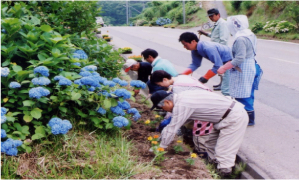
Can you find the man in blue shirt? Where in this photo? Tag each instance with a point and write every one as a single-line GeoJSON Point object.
{"type": "Point", "coordinates": [151, 56]}
{"type": "Point", "coordinates": [216, 53]}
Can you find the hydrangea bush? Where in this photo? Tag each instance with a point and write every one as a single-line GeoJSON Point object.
{"type": "Point", "coordinates": [279, 26]}
{"type": "Point", "coordinates": [162, 21]}
{"type": "Point", "coordinates": [48, 75]}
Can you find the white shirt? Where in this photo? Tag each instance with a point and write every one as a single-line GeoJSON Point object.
{"type": "Point", "coordinates": [196, 104]}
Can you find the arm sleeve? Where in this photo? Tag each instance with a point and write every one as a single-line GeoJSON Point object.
{"type": "Point", "coordinates": [239, 50]}
{"type": "Point", "coordinates": [224, 34]}
{"type": "Point", "coordinates": [196, 60]}
{"type": "Point", "coordinates": [208, 34]}
{"type": "Point", "coordinates": [214, 57]}
{"type": "Point", "coordinates": [179, 117]}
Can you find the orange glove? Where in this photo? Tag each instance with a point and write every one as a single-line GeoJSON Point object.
{"type": "Point", "coordinates": [187, 71]}
{"type": "Point", "coordinates": [209, 74]}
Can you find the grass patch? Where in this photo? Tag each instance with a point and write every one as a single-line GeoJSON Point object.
{"type": "Point", "coordinates": [78, 155]}
{"type": "Point", "coordinates": [195, 20]}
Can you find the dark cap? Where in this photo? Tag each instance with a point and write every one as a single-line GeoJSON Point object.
{"type": "Point", "coordinates": [158, 96]}
{"type": "Point", "coordinates": [212, 12]}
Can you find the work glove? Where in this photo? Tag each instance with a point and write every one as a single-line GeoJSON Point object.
{"type": "Point", "coordinates": [187, 72]}
{"type": "Point", "coordinates": [163, 124]}
{"type": "Point", "coordinates": [207, 76]}
{"type": "Point", "coordinates": [225, 67]}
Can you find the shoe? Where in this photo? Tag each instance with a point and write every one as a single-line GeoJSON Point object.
{"type": "Point", "coordinates": [218, 88]}
{"type": "Point", "coordinates": [225, 173]}
{"type": "Point", "coordinates": [251, 124]}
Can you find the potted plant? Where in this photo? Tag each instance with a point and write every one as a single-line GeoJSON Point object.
{"type": "Point", "coordinates": [173, 26]}
{"type": "Point", "coordinates": [108, 39]}
{"type": "Point", "coordinates": [105, 35]}
{"type": "Point", "coordinates": [126, 50]}
{"type": "Point", "coordinates": [137, 58]}
{"type": "Point", "coordinates": [166, 26]}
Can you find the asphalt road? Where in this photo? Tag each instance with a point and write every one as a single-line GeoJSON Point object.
{"type": "Point", "coordinates": [272, 145]}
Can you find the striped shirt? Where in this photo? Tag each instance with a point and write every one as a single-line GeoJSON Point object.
{"type": "Point", "coordinates": [195, 104]}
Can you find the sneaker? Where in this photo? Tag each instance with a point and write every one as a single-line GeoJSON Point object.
{"type": "Point", "coordinates": [251, 124]}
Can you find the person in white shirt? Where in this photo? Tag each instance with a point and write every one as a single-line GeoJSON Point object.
{"type": "Point", "coordinates": [229, 118]}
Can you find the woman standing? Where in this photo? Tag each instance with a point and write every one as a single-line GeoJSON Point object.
{"type": "Point", "coordinates": [245, 73]}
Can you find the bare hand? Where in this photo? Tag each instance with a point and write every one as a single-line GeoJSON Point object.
{"type": "Point", "coordinates": [202, 32]}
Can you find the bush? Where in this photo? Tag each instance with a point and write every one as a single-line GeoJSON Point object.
{"type": "Point", "coordinates": [257, 27]}
{"type": "Point", "coordinates": [236, 5]}
{"type": "Point", "coordinates": [44, 63]}
{"type": "Point", "coordinates": [192, 10]}
{"type": "Point", "coordinates": [279, 27]}
{"type": "Point", "coordinates": [246, 5]}
{"type": "Point", "coordinates": [162, 21]}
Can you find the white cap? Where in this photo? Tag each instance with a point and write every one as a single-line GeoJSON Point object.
{"type": "Point", "coordinates": [129, 63]}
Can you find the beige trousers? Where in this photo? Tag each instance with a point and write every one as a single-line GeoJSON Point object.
{"type": "Point", "coordinates": [226, 138]}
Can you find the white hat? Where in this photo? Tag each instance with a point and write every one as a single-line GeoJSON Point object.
{"type": "Point", "coordinates": [129, 63]}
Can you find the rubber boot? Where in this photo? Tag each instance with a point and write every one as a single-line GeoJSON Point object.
{"type": "Point", "coordinates": [251, 118]}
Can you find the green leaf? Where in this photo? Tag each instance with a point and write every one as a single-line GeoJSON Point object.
{"type": "Point", "coordinates": [107, 103]}
{"type": "Point", "coordinates": [109, 126]}
{"type": "Point", "coordinates": [55, 52]}
{"type": "Point", "coordinates": [105, 120]}
{"type": "Point", "coordinates": [114, 102]}
{"type": "Point", "coordinates": [25, 130]}
{"type": "Point", "coordinates": [37, 136]}
{"type": "Point", "coordinates": [75, 96]}
{"type": "Point", "coordinates": [36, 113]}
{"type": "Point", "coordinates": [5, 63]}
{"type": "Point", "coordinates": [63, 109]}
{"type": "Point", "coordinates": [17, 68]}
{"type": "Point", "coordinates": [46, 28]}
{"type": "Point", "coordinates": [28, 102]}
{"type": "Point", "coordinates": [21, 75]}
{"type": "Point", "coordinates": [96, 120]}
{"type": "Point", "coordinates": [35, 20]}
{"type": "Point", "coordinates": [41, 57]}
{"type": "Point", "coordinates": [27, 118]}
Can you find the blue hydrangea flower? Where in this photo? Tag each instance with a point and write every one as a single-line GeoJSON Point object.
{"type": "Point", "coordinates": [105, 93]}
{"type": "Point", "coordinates": [91, 89]}
{"type": "Point", "coordinates": [3, 31]}
{"type": "Point", "coordinates": [4, 71]}
{"type": "Point", "coordinates": [117, 110]}
{"type": "Point", "coordinates": [77, 64]}
{"type": "Point", "coordinates": [59, 126]}
{"type": "Point", "coordinates": [124, 105]}
{"type": "Point", "coordinates": [14, 85]}
{"type": "Point", "coordinates": [89, 68]}
{"type": "Point", "coordinates": [10, 146]}
{"type": "Point", "coordinates": [136, 116]}
{"type": "Point", "coordinates": [95, 74]}
{"type": "Point", "coordinates": [38, 92]}
{"type": "Point", "coordinates": [102, 80]}
{"type": "Point", "coordinates": [85, 73]}
{"type": "Point", "coordinates": [80, 54]}
{"type": "Point", "coordinates": [90, 81]}
{"type": "Point", "coordinates": [120, 121]}
{"type": "Point", "coordinates": [3, 133]}
{"type": "Point", "coordinates": [57, 78]}
{"type": "Point", "coordinates": [109, 83]}
{"type": "Point", "coordinates": [3, 111]}
{"type": "Point", "coordinates": [64, 82]}
{"type": "Point", "coordinates": [42, 81]}
{"type": "Point", "coordinates": [138, 84]}
{"type": "Point", "coordinates": [116, 80]}
{"type": "Point", "coordinates": [132, 111]}
{"type": "Point", "coordinates": [122, 93]}
{"type": "Point", "coordinates": [43, 70]}
{"type": "Point", "coordinates": [3, 119]}
{"type": "Point", "coordinates": [53, 121]}
{"type": "Point", "coordinates": [101, 111]}
{"type": "Point", "coordinates": [123, 83]}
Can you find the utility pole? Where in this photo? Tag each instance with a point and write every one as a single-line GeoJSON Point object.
{"type": "Point", "coordinates": [127, 12]}
{"type": "Point", "coordinates": [183, 11]}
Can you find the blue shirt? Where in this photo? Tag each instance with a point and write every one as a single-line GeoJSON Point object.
{"type": "Point", "coordinates": [163, 64]}
{"type": "Point", "coordinates": [217, 53]}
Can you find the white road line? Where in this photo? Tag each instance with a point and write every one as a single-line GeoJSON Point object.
{"type": "Point", "coordinates": [283, 60]}
{"type": "Point", "coordinates": [279, 41]}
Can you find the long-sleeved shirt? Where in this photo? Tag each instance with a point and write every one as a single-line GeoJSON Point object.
{"type": "Point", "coordinates": [163, 64]}
{"type": "Point", "coordinates": [195, 104]}
{"type": "Point", "coordinates": [218, 54]}
{"type": "Point", "coordinates": [241, 50]}
{"type": "Point", "coordinates": [220, 32]}
{"type": "Point", "coordinates": [144, 71]}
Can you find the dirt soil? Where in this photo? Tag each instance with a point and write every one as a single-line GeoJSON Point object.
{"type": "Point", "coordinates": [174, 166]}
